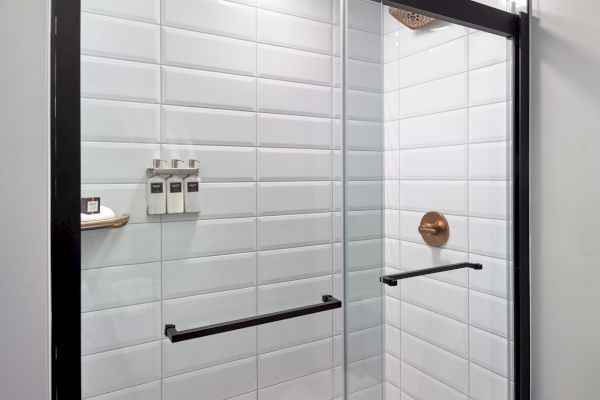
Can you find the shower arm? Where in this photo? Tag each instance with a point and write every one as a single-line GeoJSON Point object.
{"type": "Point", "coordinates": [392, 280]}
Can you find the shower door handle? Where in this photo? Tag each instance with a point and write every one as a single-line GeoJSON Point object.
{"type": "Point", "coordinates": [392, 280]}
{"type": "Point", "coordinates": [329, 303]}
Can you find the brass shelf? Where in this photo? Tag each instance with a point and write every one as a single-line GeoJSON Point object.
{"type": "Point", "coordinates": [109, 223]}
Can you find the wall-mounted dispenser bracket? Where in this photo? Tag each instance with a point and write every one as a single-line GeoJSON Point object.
{"type": "Point", "coordinates": [150, 172]}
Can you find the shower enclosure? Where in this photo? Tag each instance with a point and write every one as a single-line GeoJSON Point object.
{"type": "Point", "coordinates": [362, 231]}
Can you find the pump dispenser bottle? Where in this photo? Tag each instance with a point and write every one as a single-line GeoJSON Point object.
{"type": "Point", "coordinates": [174, 191]}
{"type": "Point", "coordinates": [156, 192]}
{"type": "Point", "coordinates": [191, 190]}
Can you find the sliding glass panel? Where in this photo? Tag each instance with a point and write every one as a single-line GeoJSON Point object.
{"type": "Point", "coordinates": [447, 138]}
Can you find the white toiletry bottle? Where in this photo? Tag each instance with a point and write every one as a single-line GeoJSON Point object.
{"type": "Point", "coordinates": [174, 191]}
{"type": "Point", "coordinates": [156, 192]}
{"type": "Point", "coordinates": [191, 190]}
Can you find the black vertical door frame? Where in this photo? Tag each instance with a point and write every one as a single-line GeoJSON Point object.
{"type": "Point", "coordinates": [516, 28]}
{"type": "Point", "coordinates": [66, 179]}
{"type": "Point", "coordinates": [65, 156]}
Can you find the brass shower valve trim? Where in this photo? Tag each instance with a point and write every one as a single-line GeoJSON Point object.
{"type": "Point", "coordinates": [434, 229]}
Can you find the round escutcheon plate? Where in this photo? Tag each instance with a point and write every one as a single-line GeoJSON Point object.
{"type": "Point", "coordinates": [434, 229]}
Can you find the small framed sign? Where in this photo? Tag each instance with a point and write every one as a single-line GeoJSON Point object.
{"type": "Point", "coordinates": [90, 205]}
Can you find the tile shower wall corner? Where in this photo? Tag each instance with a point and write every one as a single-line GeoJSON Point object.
{"type": "Point", "coordinates": [246, 87]}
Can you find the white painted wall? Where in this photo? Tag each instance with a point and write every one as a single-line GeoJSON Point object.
{"type": "Point", "coordinates": [565, 197]}
{"type": "Point", "coordinates": [24, 128]}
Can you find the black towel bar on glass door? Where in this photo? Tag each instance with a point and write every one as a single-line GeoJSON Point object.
{"type": "Point", "coordinates": [392, 280]}
{"type": "Point", "coordinates": [171, 332]}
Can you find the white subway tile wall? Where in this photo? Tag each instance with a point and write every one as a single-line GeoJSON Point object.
{"type": "Point", "coordinates": [446, 149]}
{"type": "Point", "coordinates": [250, 88]}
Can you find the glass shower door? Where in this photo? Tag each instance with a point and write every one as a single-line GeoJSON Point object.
{"type": "Point", "coordinates": [428, 184]}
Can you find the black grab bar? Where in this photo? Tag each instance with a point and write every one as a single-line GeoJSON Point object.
{"type": "Point", "coordinates": [392, 280]}
{"type": "Point", "coordinates": [171, 332]}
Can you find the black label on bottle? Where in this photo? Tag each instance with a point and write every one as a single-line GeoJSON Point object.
{"type": "Point", "coordinates": [90, 205]}
{"type": "Point", "coordinates": [175, 187]}
{"type": "Point", "coordinates": [156, 187]}
{"type": "Point", "coordinates": [192, 186]}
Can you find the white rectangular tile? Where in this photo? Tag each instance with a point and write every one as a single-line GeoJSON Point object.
{"type": "Point", "coordinates": [444, 196]}
{"type": "Point", "coordinates": [208, 351]}
{"type": "Point", "coordinates": [293, 197]}
{"type": "Point", "coordinates": [364, 195]}
{"type": "Point", "coordinates": [294, 331]}
{"type": "Point", "coordinates": [440, 364]}
{"type": "Point", "coordinates": [119, 286]}
{"type": "Point", "coordinates": [364, 135]}
{"type": "Point", "coordinates": [437, 62]}
{"type": "Point", "coordinates": [365, 16]}
{"type": "Point", "coordinates": [293, 165]}
{"type": "Point", "coordinates": [120, 327]}
{"type": "Point", "coordinates": [217, 163]}
{"type": "Point", "coordinates": [488, 161]}
{"type": "Point", "coordinates": [194, 276]}
{"type": "Point", "coordinates": [119, 38]}
{"type": "Point", "coordinates": [443, 298]}
{"type": "Point", "coordinates": [489, 351]}
{"type": "Point", "coordinates": [487, 199]}
{"type": "Point", "coordinates": [142, 10]}
{"type": "Point", "coordinates": [299, 293]}
{"type": "Point", "coordinates": [293, 230]}
{"type": "Point", "coordinates": [294, 131]}
{"type": "Point", "coordinates": [364, 46]}
{"type": "Point", "coordinates": [391, 106]}
{"type": "Point", "coordinates": [363, 75]}
{"type": "Point", "coordinates": [220, 382]}
{"type": "Point", "coordinates": [364, 343]}
{"type": "Point", "coordinates": [312, 387]}
{"type": "Point", "coordinates": [218, 127]}
{"type": "Point", "coordinates": [488, 85]}
{"type": "Point", "coordinates": [106, 162]}
{"type": "Point", "coordinates": [447, 162]}
{"type": "Point", "coordinates": [391, 168]}
{"type": "Point", "coordinates": [294, 362]}
{"type": "Point", "coordinates": [488, 237]}
{"type": "Point", "coordinates": [391, 221]}
{"type": "Point", "coordinates": [132, 244]}
{"type": "Point", "coordinates": [183, 48]}
{"type": "Point", "coordinates": [278, 62]}
{"type": "Point", "coordinates": [364, 254]}
{"type": "Point", "coordinates": [187, 87]}
{"type": "Point", "coordinates": [363, 284]}
{"type": "Point", "coordinates": [488, 313]}
{"type": "Point", "coordinates": [488, 123]}
{"type": "Point", "coordinates": [295, 263]}
{"type": "Point", "coordinates": [104, 78]}
{"type": "Point", "coordinates": [222, 200]}
{"type": "Point", "coordinates": [122, 198]}
{"type": "Point", "coordinates": [219, 17]}
{"type": "Point", "coordinates": [148, 391]}
{"type": "Point", "coordinates": [434, 328]}
{"type": "Point", "coordinates": [486, 48]}
{"type": "Point", "coordinates": [313, 9]}
{"type": "Point", "coordinates": [365, 373]}
{"type": "Point", "coordinates": [364, 314]}
{"type": "Point", "coordinates": [294, 98]}
{"type": "Point", "coordinates": [206, 238]}
{"type": "Point", "coordinates": [421, 386]}
{"type": "Point", "coordinates": [486, 385]}
{"type": "Point", "coordinates": [495, 277]}
{"type": "Point", "coordinates": [119, 121]}
{"type": "Point", "coordinates": [438, 129]}
{"type": "Point", "coordinates": [118, 369]}
{"type": "Point", "coordinates": [391, 195]}
{"type": "Point", "coordinates": [441, 95]}
{"type": "Point", "coordinates": [362, 106]}
{"type": "Point", "coordinates": [363, 225]}
{"type": "Point", "coordinates": [364, 165]}
{"type": "Point", "coordinates": [290, 31]}
{"type": "Point", "coordinates": [415, 41]}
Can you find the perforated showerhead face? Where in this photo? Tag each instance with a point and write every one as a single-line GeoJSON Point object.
{"type": "Point", "coordinates": [411, 19]}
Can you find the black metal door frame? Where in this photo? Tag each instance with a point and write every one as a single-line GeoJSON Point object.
{"type": "Point", "coordinates": [66, 179]}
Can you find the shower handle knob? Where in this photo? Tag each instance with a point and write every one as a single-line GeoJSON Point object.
{"type": "Point", "coordinates": [434, 229]}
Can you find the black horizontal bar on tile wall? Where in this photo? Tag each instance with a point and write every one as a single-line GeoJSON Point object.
{"type": "Point", "coordinates": [392, 280]}
{"type": "Point", "coordinates": [171, 332]}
